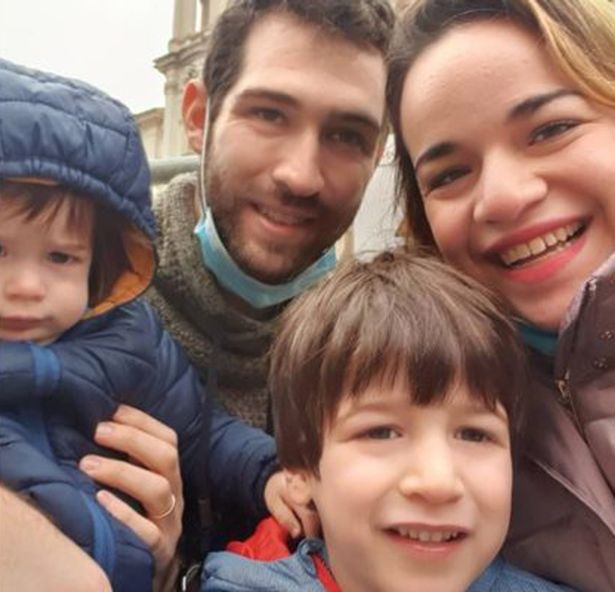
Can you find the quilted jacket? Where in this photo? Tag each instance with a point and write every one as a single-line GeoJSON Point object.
{"type": "Point", "coordinates": [563, 522]}
{"type": "Point", "coordinates": [53, 396]}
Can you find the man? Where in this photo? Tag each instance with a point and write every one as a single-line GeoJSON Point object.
{"type": "Point", "coordinates": [290, 114]}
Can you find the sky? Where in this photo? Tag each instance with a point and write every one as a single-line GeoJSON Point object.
{"type": "Point", "coordinates": [109, 43]}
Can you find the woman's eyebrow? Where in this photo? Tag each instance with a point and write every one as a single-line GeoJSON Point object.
{"type": "Point", "coordinates": [434, 152]}
{"type": "Point", "coordinates": [533, 104]}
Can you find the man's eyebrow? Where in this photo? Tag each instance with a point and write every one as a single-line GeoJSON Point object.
{"type": "Point", "coordinates": [533, 104]}
{"type": "Point", "coordinates": [349, 117]}
{"type": "Point", "coordinates": [434, 152]}
{"type": "Point", "coordinates": [356, 118]}
{"type": "Point", "coordinates": [271, 95]}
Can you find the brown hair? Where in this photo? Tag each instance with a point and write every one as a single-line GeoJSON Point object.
{"type": "Point", "coordinates": [109, 258]}
{"type": "Point", "coordinates": [367, 23]}
{"type": "Point", "coordinates": [400, 312]}
{"type": "Point", "coordinates": [578, 34]}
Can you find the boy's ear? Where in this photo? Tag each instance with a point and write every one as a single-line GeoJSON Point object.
{"type": "Point", "coordinates": [194, 105]}
{"type": "Point", "coordinates": [299, 486]}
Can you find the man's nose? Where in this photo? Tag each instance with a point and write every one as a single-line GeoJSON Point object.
{"type": "Point", "coordinates": [432, 474]}
{"type": "Point", "coordinates": [298, 170]}
{"type": "Point", "coordinates": [509, 186]}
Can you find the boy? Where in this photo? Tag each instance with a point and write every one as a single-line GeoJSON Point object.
{"type": "Point", "coordinates": [76, 251]}
{"type": "Point", "coordinates": [392, 417]}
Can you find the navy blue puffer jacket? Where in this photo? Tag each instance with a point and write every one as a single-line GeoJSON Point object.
{"type": "Point", "coordinates": [53, 396]}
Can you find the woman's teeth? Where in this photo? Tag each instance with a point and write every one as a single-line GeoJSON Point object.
{"type": "Point", "coordinates": [537, 246]}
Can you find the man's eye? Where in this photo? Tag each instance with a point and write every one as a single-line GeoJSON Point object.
{"type": "Point", "coordinates": [473, 435]}
{"type": "Point", "coordinates": [2, 251]}
{"type": "Point", "coordinates": [348, 137]}
{"type": "Point", "coordinates": [59, 257]}
{"type": "Point", "coordinates": [269, 115]}
{"type": "Point", "coordinates": [380, 433]}
{"type": "Point", "coordinates": [551, 130]}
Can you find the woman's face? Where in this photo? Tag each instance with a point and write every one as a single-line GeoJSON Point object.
{"type": "Point", "coordinates": [516, 167]}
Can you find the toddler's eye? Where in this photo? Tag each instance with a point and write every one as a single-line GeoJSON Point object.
{"type": "Point", "coordinates": [473, 435]}
{"type": "Point", "coordinates": [59, 257]}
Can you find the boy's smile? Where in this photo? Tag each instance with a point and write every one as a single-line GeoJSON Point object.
{"type": "Point", "coordinates": [413, 497]}
{"type": "Point", "coordinates": [44, 269]}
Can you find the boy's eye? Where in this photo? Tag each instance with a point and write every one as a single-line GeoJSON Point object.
{"type": "Point", "coordinates": [472, 435]}
{"type": "Point", "coordinates": [551, 130]}
{"type": "Point", "coordinates": [60, 258]}
{"type": "Point", "coordinates": [380, 433]}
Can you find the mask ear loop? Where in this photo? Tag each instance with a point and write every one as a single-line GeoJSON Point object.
{"type": "Point", "coordinates": [206, 131]}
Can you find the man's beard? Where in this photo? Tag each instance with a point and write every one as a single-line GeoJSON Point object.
{"type": "Point", "coordinates": [226, 208]}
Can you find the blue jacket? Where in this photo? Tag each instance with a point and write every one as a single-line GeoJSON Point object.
{"type": "Point", "coordinates": [228, 572]}
{"type": "Point", "coordinates": [53, 396]}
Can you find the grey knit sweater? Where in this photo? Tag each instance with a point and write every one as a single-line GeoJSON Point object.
{"type": "Point", "coordinates": [194, 311]}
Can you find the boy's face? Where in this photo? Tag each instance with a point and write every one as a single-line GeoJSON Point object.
{"type": "Point", "coordinates": [413, 498]}
{"type": "Point", "coordinates": [44, 268]}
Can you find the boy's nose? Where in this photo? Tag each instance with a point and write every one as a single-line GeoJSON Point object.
{"type": "Point", "coordinates": [432, 476]}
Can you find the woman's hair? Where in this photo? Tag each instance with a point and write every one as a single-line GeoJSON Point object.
{"type": "Point", "coordinates": [579, 35]}
{"type": "Point", "coordinates": [398, 316]}
{"type": "Point", "coordinates": [109, 258]}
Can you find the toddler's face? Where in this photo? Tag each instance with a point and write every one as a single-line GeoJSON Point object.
{"type": "Point", "coordinates": [44, 269]}
{"type": "Point", "coordinates": [413, 498]}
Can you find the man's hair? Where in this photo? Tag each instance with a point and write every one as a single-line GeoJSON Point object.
{"type": "Point", "coordinates": [367, 23]}
{"type": "Point", "coordinates": [109, 258]}
{"type": "Point", "coordinates": [399, 315]}
{"type": "Point", "coordinates": [579, 35]}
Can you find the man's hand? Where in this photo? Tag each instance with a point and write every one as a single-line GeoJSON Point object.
{"type": "Point", "coordinates": [297, 518]}
{"type": "Point", "coordinates": [151, 476]}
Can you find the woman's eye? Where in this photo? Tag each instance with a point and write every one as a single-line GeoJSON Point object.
{"type": "Point", "coordinates": [446, 177]}
{"type": "Point", "coordinates": [551, 130]}
{"type": "Point", "coordinates": [473, 435]}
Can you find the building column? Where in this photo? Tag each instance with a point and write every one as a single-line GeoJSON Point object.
{"type": "Point", "coordinates": [184, 19]}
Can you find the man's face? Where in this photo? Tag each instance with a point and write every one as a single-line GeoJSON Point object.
{"type": "Point", "coordinates": [413, 497]}
{"type": "Point", "coordinates": [294, 145]}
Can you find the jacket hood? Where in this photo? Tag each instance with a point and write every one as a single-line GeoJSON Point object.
{"type": "Point", "coordinates": [66, 131]}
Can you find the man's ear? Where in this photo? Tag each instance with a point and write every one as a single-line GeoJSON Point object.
{"type": "Point", "coordinates": [299, 486]}
{"type": "Point", "coordinates": [194, 105]}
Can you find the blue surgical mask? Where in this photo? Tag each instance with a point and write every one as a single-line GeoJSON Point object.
{"type": "Point", "coordinates": [258, 294]}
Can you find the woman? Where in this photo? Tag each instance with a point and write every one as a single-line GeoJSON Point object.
{"type": "Point", "coordinates": [504, 112]}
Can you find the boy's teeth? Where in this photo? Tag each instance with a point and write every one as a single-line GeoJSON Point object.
{"type": "Point", "coordinates": [426, 536]}
{"type": "Point", "coordinates": [539, 245]}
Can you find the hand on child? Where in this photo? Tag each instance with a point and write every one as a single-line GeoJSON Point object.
{"type": "Point", "coordinates": [298, 518]}
{"type": "Point", "coordinates": [152, 478]}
